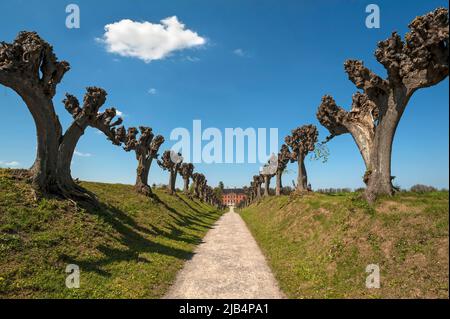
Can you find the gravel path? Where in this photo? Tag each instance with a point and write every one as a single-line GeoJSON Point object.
{"type": "Point", "coordinates": [228, 264]}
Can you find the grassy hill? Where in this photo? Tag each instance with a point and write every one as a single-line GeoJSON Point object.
{"type": "Point", "coordinates": [130, 248]}
{"type": "Point", "coordinates": [319, 245]}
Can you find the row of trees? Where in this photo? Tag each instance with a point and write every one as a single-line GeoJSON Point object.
{"type": "Point", "coordinates": [420, 61]}
{"type": "Point", "coordinates": [298, 145]}
{"type": "Point", "coordinates": [30, 67]}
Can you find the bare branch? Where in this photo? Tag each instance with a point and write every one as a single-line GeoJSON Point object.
{"type": "Point", "coordinates": [154, 146]}
{"type": "Point", "coordinates": [258, 180]}
{"type": "Point", "coordinates": [422, 60]}
{"type": "Point", "coordinates": [365, 79]}
{"type": "Point", "coordinates": [89, 115]}
{"type": "Point", "coordinates": [361, 121]}
{"type": "Point", "coordinates": [302, 140]}
{"type": "Point", "coordinates": [186, 170]}
{"type": "Point", "coordinates": [130, 142]}
{"type": "Point", "coordinates": [166, 162]}
{"type": "Point", "coordinates": [284, 156]}
{"type": "Point", "coordinates": [103, 123]}
{"type": "Point", "coordinates": [30, 62]}
{"type": "Point", "coordinates": [332, 117]}
{"type": "Point", "coordinates": [364, 111]}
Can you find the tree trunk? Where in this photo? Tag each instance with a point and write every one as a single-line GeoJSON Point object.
{"type": "Point", "coordinates": [258, 191]}
{"type": "Point", "coordinates": [48, 132]}
{"type": "Point", "coordinates": [66, 150]}
{"type": "Point", "coordinates": [171, 186]}
{"type": "Point", "coordinates": [186, 185]}
{"type": "Point", "coordinates": [196, 194]}
{"type": "Point", "coordinates": [143, 171]}
{"type": "Point", "coordinates": [279, 184]}
{"type": "Point", "coordinates": [378, 175]}
{"type": "Point", "coordinates": [173, 178]}
{"type": "Point", "coordinates": [51, 169]}
{"type": "Point", "coordinates": [266, 184]}
{"type": "Point", "coordinates": [302, 178]}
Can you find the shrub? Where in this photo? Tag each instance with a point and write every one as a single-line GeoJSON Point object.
{"type": "Point", "coordinates": [333, 190]}
{"type": "Point", "coordinates": [419, 188]}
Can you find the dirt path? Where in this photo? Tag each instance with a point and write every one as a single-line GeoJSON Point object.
{"type": "Point", "coordinates": [228, 264]}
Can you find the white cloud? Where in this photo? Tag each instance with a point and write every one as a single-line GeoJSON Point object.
{"type": "Point", "coordinates": [149, 41]}
{"type": "Point", "coordinates": [152, 91]}
{"type": "Point", "coordinates": [119, 113]}
{"type": "Point", "coordinates": [80, 154]}
{"type": "Point", "coordinates": [239, 52]}
{"type": "Point", "coordinates": [9, 164]}
{"type": "Point", "coordinates": [192, 58]}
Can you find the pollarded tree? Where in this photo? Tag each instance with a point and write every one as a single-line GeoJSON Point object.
{"type": "Point", "coordinates": [284, 156]}
{"type": "Point", "coordinates": [258, 180]}
{"type": "Point", "coordinates": [418, 62]}
{"type": "Point", "coordinates": [146, 148]}
{"type": "Point", "coordinates": [254, 189]}
{"type": "Point", "coordinates": [302, 141]}
{"type": "Point", "coordinates": [268, 171]}
{"type": "Point", "coordinates": [186, 171]}
{"type": "Point", "coordinates": [215, 199]}
{"type": "Point", "coordinates": [267, 178]}
{"type": "Point", "coordinates": [208, 194]}
{"type": "Point", "coordinates": [84, 116]}
{"type": "Point", "coordinates": [218, 191]}
{"type": "Point", "coordinates": [197, 179]}
{"type": "Point", "coordinates": [202, 188]}
{"type": "Point", "coordinates": [171, 161]}
{"type": "Point", "coordinates": [246, 191]}
{"type": "Point", "coordinates": [250, 193]}
{"type": "Point", "coordinates": [30, 68]}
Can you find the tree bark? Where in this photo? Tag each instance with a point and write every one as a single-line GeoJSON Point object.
{"type": "Point", "coordinates": [279, 183]}
{"type": "Point", "coordinates": [302, 178]}
{"type": "Point", "coordinates": [186, 185]}
{"type": "Point", "coordinates": [378, 175]}
{"type": "Point", "coordinates": [48, 133]}
{"type": "Point", "coordinates": [258, 191]}
{"type": "Point", "coordinates": [266, 184]}
{"type": "Point", "coordinates": [196, 192]}
{"type": "Point", "coordinates": [66, 150]}
{"type": "Point", "coordinates": [171, 185]}
{"type": "Point", "coordinates": [173, 178]}
{"type": "Point", "coordinates": [142, 173]}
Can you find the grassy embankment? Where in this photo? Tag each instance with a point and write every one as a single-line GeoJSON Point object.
{"type": "Point", "coordinates": [319, 245]}
{"type": "Point", "coordinates": [130, 248]}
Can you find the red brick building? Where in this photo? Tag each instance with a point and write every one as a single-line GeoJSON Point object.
{"type": "Point", "coordinates": [233, 196]}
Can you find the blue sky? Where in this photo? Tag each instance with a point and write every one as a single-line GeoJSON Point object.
{"type": "Point", "coordinates": [265, 64]}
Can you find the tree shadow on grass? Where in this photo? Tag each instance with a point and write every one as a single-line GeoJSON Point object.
{"type": "Point", "coordinates": [185, 221]}
{"type": "Point", "coordinates": [198, 221]}
{"type": "Point", "coordinates": [134, 243]}
{"type": "Point", "coordinates": [195, 209]}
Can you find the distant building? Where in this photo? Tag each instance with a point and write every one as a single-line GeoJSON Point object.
{"type": "Point", "coordinates": [233, 196]}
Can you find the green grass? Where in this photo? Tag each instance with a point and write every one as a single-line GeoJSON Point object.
{"type": "Point", "coordinates": [318, 246]}
{"type": "Point", "coordinates": [130, 248]}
